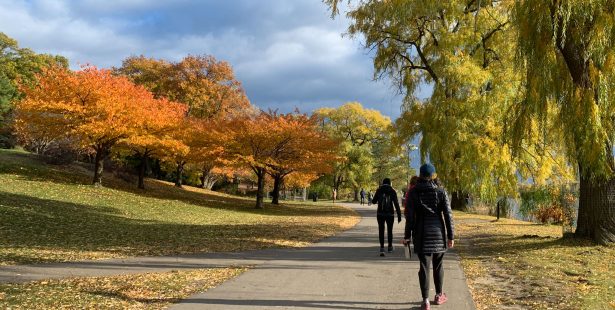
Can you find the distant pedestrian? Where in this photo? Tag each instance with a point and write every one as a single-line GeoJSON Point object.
{"type": "Point", "coordinates": [362, 196]}
{"type": "Point", "coordinates": [334, 195]}
{"type": "Point", "coordinates": [430, 226]}
{"type": "Point", "coordinates": [386, 198]}
{"type": "Point", "coordinates": [369, 198]}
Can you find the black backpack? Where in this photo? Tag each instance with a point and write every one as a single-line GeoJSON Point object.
{"type": "Point", "coordinates": [385, 204]}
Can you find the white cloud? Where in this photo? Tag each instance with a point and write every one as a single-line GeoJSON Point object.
{"type": "Point", "coordinates": [283, 59]}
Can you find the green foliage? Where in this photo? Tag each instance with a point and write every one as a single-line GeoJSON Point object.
{"type": "Point", "coordinates": [366, 151]}
{"type": "Point", "coordinates": [321, 188]}
{"type": "Point", "coordinates": [567, 49]}
{"type": "Point", "coordinates": [466, 51]}
{"type": "Point", "coordinates": [18, 65]}
{"type": "Point", "coordinates": [549, 203]}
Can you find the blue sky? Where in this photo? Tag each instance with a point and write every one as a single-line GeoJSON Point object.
{"type": "Point", "coordinates": [287, 53]}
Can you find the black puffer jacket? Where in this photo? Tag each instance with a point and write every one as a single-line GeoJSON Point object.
{"type": "Point", "coordinates": [429, 220]}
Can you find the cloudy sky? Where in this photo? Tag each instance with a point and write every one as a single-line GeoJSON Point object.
{"type": "Point", "coordinates": [287, 53]}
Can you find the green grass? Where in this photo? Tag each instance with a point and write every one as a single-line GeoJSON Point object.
{"type": "Point", "coordinates": [51, 213]}
{"type": "Point", "coordinates": [140, 291]}
{"type": "Point", "coordinates": [514, 263]}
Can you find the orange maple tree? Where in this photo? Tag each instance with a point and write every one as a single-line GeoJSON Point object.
{"type": "Point", "coordinates": [301, 149]}
{"type": "Point", "coordinates": [156, 135]}
{"type": "Point", "coordinates": [93, 107]}
{"type": "Point", "coordinates": [206, 85]}
{"type": "Point", "coordinates": [278, 145]}
{"type": "Point", "coordinates": [212, 93]}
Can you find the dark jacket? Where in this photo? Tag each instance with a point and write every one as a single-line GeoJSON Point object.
{"type": "Point", "coordinates": [429, 222]}
{"type": "Point", "coordinates": [386, 198]}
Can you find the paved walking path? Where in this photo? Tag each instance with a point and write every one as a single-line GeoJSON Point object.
{"type": "Point", "coordinates": [341, 272]}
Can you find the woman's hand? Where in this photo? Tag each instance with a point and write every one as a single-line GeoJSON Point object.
{"type": "Point", "coordinates": [451, 244]}
{"type": "Point", "coordinates": [405, 241]}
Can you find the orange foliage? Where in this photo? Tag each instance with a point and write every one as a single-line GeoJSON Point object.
{"type": "Point", "coordinates": [93, 107]}
{"type": "Point", "coordinates": [280, 144]}
{"type": "Point", "coordinates": [206, 85]}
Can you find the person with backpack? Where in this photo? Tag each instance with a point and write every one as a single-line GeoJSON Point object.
{"type": "Point", "coordinates": [362, 193]}
{"type": "Point", "coordinates": [386, 198]}
{"type": "Point", "coordinates": [430, 226]}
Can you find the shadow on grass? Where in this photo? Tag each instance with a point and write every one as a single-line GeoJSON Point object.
{"type": "Point", "coordinates": [32, 167]}
{"type": "Point", "coordinates": [502, 245]}
{"type": "Point", "coordinates": [121, 296]}
{"type": "Point", "coordinates": [33, 226]}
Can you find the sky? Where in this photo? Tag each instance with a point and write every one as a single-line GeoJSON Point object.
{"type": "Point", "coordinates": [287, 53]}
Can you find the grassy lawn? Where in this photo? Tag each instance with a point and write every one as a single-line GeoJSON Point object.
{"type": "Point", "coordinates": [512, 263]}
{"type": "Point", "coordinates": [142, 291]}
{"type": "Point", "coordinates": [50, 213]}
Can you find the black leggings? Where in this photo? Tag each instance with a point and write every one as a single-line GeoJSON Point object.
{"type": "Point", "coordinates": [438, 274]}
{"type": "Point", "coordinates": [389, 221]}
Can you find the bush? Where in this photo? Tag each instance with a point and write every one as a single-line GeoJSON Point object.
{"type": "Point", "coordinates": [549, 204]}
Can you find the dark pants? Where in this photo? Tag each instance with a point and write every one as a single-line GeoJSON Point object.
{"type": "Point", "coordinates": [388, 219]}
{"type": "Point", "coordinates": [438, 272]}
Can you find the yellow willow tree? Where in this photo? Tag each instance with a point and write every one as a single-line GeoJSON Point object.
{"type": "Point", "coordinates": [93, 107]}
{"type": "Point", "coordinates": [358, 129]}
{"type": "Point", "coordinates": [464, 50]}
{"type": "Point", "coordinates": [300, 148]}
{"type": "Point", "coordinates": [567, 49]}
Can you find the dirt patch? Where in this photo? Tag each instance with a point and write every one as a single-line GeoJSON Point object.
{"type": "Point", "coordinates": [500, 259]}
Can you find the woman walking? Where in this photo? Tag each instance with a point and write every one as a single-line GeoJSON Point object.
{"type": "Point", "coordinates": [386, 198]}
{"type": "Point", "coordinates": [430, 226]}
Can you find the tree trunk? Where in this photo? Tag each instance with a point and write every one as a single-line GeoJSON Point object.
{"type": "Point", "coordinates": [180, 173]}
{"type": "Point", "coordinates": [101, 154]}
{"type": "Point", "coordinates": [277, 183]}
{"type": "Point", "coordinates": [142, 169]}
{"type": "Point", "coordinates": [260, 192]}
{"type": "Point", "coordinates": [207, 178]}
{"type": "Point", "coordinates": [596, 219]}
{"type": "Point", "coordinates": [356, 195]}
{"type": "Point", "coordinates": [458, 201]}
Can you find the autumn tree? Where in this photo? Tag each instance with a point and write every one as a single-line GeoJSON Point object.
{"type": "Point", "coordinates": [568, 52]}
{"type": "Point", "coordinates": [250, 145]}
{"type": "Point", "coordinates": [207, 86]}
{"type": "Point", "coordinates": [209, 144]}
{"type": "Point", "coordinates": [300, 148]}
{"type": "Point", "coordinates": [92, 106]}
{"type": "Point", "coordinates": [155, 135]}
{"type": "Point", "coordinates": [18, 65]}
{"type": "Point", "coordinates": [358, 129]}
{"type": "Point", "coordinates": [464, 50]}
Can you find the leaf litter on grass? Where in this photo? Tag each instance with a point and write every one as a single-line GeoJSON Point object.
{"type": "Point", "coordinates": [515, 264]}
{"type": "Point", "coordinates": [51, 216]}
{"type": "Point", "coordinates": [136, 291]}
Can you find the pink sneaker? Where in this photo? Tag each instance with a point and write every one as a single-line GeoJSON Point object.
{"type": "Point", "coordinates": [425, 306]}
{"type": "Point", "coordinates": [440, 299]}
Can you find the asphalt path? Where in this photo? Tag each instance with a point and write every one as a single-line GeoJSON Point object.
{"type": "Point", "coordinates": [341, 272]}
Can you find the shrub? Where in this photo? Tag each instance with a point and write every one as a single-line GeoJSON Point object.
{"type": "Point", "coordinates": [549, 204]}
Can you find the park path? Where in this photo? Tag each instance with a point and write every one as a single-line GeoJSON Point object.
{"type": "Point", "coordinates": [340, 272]}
